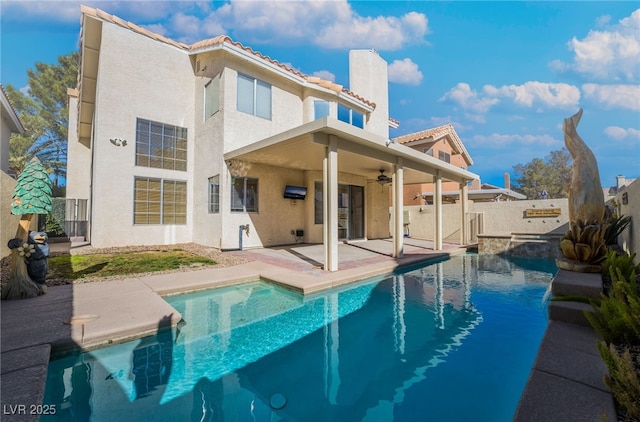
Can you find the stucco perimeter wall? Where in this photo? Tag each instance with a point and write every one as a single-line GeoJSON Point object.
{"type": "Point", "coordinates": [8, 221]}
{"type": "Point", "coordinates": [499, 218]}
{"type": "Point", "coordinates": [137, 78]}
{"type": "Point", "coordinates": [630, 238]}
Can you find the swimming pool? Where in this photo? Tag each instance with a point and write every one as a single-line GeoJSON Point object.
{"type": "Point", "coordinates": [449, 341]}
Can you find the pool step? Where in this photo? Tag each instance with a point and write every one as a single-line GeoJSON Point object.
{"type": "Point", "coordinates": [571, 312]}
{"type": "Point", "coordinates": [570, 283]}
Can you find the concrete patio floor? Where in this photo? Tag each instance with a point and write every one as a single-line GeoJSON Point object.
{"type": "Point", "coordinates": [91, 315]}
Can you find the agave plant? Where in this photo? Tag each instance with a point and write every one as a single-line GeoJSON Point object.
{"type": "Point", "coordinates": [585, 243]}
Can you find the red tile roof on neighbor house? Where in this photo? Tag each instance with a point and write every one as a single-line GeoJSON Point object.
{"type": "Point", "coordinates": [215, 42]}
{"type": "Point", "coordinates": [435, 134]}
{"type": "Point", "coordinates": [11, 112]}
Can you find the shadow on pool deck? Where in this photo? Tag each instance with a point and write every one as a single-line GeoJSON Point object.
{"type": "Point", "coordinates": [95, 314]}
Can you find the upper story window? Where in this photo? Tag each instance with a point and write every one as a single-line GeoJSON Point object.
{"type": "Point", "coordinates": [350, 116]}
{"type": "Point", "coordinates": [254, 96]}
{"type": "Point", "coordinates": [244, 194]}
{"type": "Point", "coordinates": [161, 146]}
{"type": "Point", "coordinates": [444, 156]}
{"type": "Point", "coordinates": [320, 109]}
{"type": "Point", "coordinates": [212, 97]}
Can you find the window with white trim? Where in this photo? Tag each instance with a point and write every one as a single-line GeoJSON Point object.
{"type": "Point", "coordinates": [244, 194]}
{"type": "Point", "coordinates": [214, 194]}
{"type": "Point", "coordinates": [159, 201]}
{"type": "Point", "coordinates": [320, 109]}
{"type": "Point", "coordinates": [159, 145]}
{"type": "Point", "coordinates": [254, 96]}
{"type": "Point", "coordinates": [212, 97]}
{"type": "Point", "coordinates": [351, 116]}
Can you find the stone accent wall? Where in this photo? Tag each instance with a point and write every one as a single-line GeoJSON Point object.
{"type": "Point", "coordinates": [535, 246]}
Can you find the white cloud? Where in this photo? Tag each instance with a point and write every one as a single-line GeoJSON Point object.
{"type": "Point", "coordinates": [469, 99]}
{"type": "Point", "coordinates": [614, 96]}
{"type": "Point", "coordinates": [501, 140]}
{"type": "Point", "coordinates": [555, 95]}
{"type": "Point", "coordinates": [610, 53]}
{"type": "Point", "coordinates": [618, 133]}
{"type": "Point", "coordinates": [325, 74]}
{"type": "Point", "coordinates": [404, 72]}
{"type": "Point", "coordinates": [328, 24]}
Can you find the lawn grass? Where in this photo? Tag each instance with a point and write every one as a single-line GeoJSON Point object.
{"type": "Point", "coordinates": [73, 267]}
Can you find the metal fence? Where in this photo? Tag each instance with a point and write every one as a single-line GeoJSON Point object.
{"type": "Point", "coordinates": [76, 217]}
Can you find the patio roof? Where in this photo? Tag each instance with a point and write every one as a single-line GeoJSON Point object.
{"type": "Point", "coordinates": [360, 152]}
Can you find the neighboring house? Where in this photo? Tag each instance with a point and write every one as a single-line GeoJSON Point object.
{"type": "Point", "coordinates": [443, 143]}
{"type": "Point", "coordinates": [10, 124]}
{"type": "Point", "coordinates": [201, 143]}
{"type": "Point", "coordinates": [621, 184]}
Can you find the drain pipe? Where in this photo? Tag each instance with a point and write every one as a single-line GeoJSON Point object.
{"type": "Point", "coordinates": [242, 228]}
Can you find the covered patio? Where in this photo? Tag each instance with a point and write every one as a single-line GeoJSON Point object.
{"type": "Point", "coordinates": [334, 147]}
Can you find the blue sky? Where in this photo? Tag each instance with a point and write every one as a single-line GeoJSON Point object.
{"type": "Point", "coordinates": [505, 74]}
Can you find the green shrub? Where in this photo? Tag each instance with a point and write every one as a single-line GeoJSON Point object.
{"type": "Point", "coordinates": [623, 378]}
{"type": "Point", "coordinates": [617, 316]}
{"type": "Point", "coordinates": [616, 225]}
{"type": "Point", "coordinates": [623, 262]}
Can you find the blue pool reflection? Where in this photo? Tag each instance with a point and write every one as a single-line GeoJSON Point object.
{"type": "Point", "coordinates": [454, 340]}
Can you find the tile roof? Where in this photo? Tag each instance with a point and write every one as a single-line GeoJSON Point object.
{"type": "Point", "coordinates": [435, 134]}
{"type": "Point", "coordinates": [215, 42]}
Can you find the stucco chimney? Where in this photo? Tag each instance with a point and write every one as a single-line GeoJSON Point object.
{"type": "Point", "coordinates": [368, 78]}
{"type": "Point", "coordinates": [620, 181]}
{"type": "Point", "coordinates": [507, 180]}
{"type": "Point", "coordinates": [476, 184]}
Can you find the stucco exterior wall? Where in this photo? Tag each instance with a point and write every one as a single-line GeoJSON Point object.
{"type": "Point", "coordinates": [8, 221]}
{"type": "Point", "coordinates": [137, 77]}
{"type": "Point", "coordinates": [368, 77]}
{"type": "Point", "coordinates": [630, 238]}
{"type": "Point", "coordinates": [78, 158]}
{"type": "Point", "coordinates": [5, 134]}
{"type": "Point", "coordinates": [241, 129]}
{"type": "Point", "coordinates": [276, 216]}
{"type": "Point", "coordinates": [500, 218]}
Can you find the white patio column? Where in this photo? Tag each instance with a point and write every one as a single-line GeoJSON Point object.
{"type": "Point", "coordinates": [437, 201]}
{"type": "Point", "coordinates": [330, 205]}
{"type": "Point", "coordinates": [464, 209]}
{"type": "Point", "coordinates": [398, 210]}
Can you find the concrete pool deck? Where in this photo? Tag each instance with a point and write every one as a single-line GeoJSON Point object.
{"type": "Point", "coordinates": [99, 313]}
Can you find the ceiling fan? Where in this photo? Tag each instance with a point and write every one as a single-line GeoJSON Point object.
{"type": "Point", "coordinates": [383, 179]}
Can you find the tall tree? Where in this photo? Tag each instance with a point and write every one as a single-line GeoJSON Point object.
{"type": "Point", "coordinates": [44, 113]}
{"type": "Point", "coordinates": [552, 175]}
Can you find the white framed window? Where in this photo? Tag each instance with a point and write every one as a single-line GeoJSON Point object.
{"type": "Point", "coordinates": [214, 194]}
{"type": "Point", "coordinates": [348, 115]}
{"type": "Point", "coordinates": [212, 97]}
{"type": "Point", "coordinates": [254, 96]}
{"type": "Point", "coordinates": [159, 201]}
{"type": "Point", "coordinates": [320, 109]}
{"type": "Point", "coordinates": [244, 194]}
{"type": "Point", "coordinates": [159, 145]}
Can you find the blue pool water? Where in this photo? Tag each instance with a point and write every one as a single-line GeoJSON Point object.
{"type": "Point", "coordinates": [449, 341]}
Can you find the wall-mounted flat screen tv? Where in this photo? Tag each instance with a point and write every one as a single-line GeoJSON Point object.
{"type": "Point", "coordinates": [295, 192]}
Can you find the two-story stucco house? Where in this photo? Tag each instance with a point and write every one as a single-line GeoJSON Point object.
{"type": "Point", "coordinates": [216, 144]}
